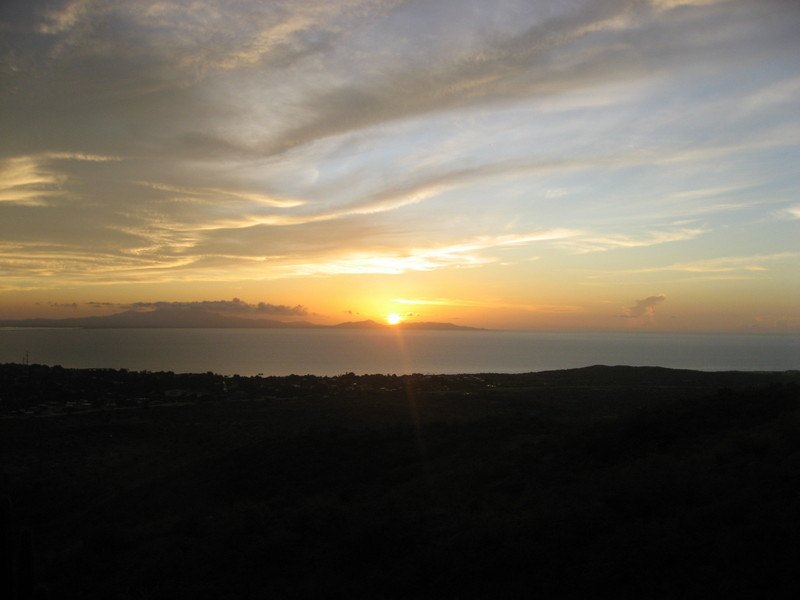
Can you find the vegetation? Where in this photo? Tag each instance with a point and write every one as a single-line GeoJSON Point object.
{"type": "Point", "coordinates": [632, 482]}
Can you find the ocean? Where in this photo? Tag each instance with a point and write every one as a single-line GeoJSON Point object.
{"type": "Point", "coordinates": [333, 352]}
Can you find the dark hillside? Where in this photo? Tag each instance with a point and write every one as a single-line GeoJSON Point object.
{"type": "Point", "coordinates": [605, 481]}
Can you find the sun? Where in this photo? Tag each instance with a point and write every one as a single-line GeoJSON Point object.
{"type": "Point", "coordinates": [393, 319]}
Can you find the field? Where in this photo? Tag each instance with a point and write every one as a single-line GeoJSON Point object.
{"type": "Point", "coordinates": [605, 481]}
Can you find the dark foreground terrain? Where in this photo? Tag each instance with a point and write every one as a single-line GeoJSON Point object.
{"type": "Point", "coordinates": [599, 482]}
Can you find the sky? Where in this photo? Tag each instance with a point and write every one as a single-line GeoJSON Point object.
{"type": "Point", "coordinates": [518, 164]}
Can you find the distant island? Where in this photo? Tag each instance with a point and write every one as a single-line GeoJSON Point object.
{"type": "Point", "coordinates": [194, 318]}
{"type": "Point", "coordinates": [370, 324]}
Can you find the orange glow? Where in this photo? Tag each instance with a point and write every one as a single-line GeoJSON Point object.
{"type": "Point", "coordinates": [393, 319]}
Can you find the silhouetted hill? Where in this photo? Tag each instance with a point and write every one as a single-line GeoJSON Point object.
{"type": "Point", "coordinates": [196, 318]}
{"type": "Point", "coordinates": [434, 325]}
{"type": "Point", "coordinates": [603, 482]}
{"type": "Point", "coordinates": [411, 325]}
{"type": "Point", "coordinates": [162, 317]}
{"type": "Point", "coordinates": [368, 324]}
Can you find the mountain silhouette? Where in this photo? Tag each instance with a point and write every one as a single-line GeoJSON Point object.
{"type": "Point", "coordinates": [196, 319]}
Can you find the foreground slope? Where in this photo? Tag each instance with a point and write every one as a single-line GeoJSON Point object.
{"type": "Point", "coordinates": [639, 482]}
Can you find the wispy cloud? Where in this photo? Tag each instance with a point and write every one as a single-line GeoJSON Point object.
{"type": "Point", "coordinates": [539, 308]}
{"type": "Point", "coordinates": [169, 259]}
{"type": "Point", "coordinates": [600, 243]}
{"type": "Point", "coordinates": [157, 141]}
{"type": "Point", "coordinates": [726, 268]}
{"type": "Point", "coordinates": [24, 181]}
{"type": "Point", "coordinates": [466, 253]}
{"type": "Point", "coordinates": [218, 195]}
{"type": "Point", "coordinates": [733, 263]}
{"type": "Point", "coordinates": [792, 212]}
{"type": "Point", "coordinates": [33, 179]}
{"type": "Point", "coordinates": [61, 19]}
{"type": "Point", "coordinates": [725, 264]}
{"type": "Point", "coordinates": [79, 156]}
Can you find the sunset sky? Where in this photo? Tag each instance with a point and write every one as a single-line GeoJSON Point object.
{"type": "Point", "coordinates": [560, 165]}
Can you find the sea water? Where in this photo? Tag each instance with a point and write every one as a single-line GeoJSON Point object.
{"type": "Point", "coordinates": [336, 351]}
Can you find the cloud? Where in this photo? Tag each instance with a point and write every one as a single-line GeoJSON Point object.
{"type": "Point", "coordinates": [590, 242]}
{"type": "Point", "coordinates": [467, 252]}
{"type": "Point", "coordinates": [724, 267]}
{"type": "Point", "coordinates": [731, 263]}
{"type": "Point", "coordinates": [338, 83]}
{"type": "Point", "coordinates": [34, 180]}
{"type": "Point", "coordinates": [644, 309]}
{"type": "Point", "coordinates": [542, 308]}
{"type": "Point", "coordinates": [534, 60]}
{"type": "Point", "coordinates": [79, 156]}
{"type": "Point", "coordinates": [484, 71]}
{"type": "Point", "coordinates": [231, 307]}
{"type": "Point", "coordinates": [792, 212]}
{"type": "Point", "coordinates": [63, 304]}
{"type": "Point", "coordinates": [243, 140]}
{"type": "Point", "coordinates": [24, 180]}
{"type": "Point", "coordinates": [62, 19]}
{"type": "Point", "coordinates": [217, 195]}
